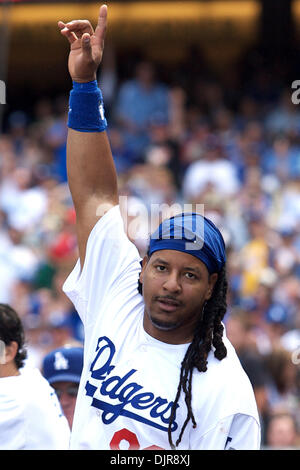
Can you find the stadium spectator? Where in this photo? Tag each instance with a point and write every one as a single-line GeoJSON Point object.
{"type": "Point", "coordinates": [140, 100]}
{"type": "Point", "coordinates": [282, 432]}
{"type": "Point", "coordinates": [212, 170]}
{"type": "Point", "coordinates": [30, 414]}
{"type": "Point", "coordinates": [282, 388]}
{"type": "Point", "coordinates": [62, 368]}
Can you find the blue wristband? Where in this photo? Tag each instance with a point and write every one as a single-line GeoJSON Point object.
{"type": "Point", "coordinates": [86, 112]}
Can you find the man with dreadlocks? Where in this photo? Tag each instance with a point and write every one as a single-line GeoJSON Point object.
{"type": "Point", "coordinates": [159, 372]}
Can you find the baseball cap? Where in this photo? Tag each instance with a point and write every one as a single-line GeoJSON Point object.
{"type": "Point", "coordinates": [277, 313]}
{"type": "Point", "coordinates": [63, 365]}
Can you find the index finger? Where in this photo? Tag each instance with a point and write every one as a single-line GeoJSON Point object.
{"type": "Point", "coordinates": [65, 32]}
{"type": "Point", "coordinates": [80, 27]}
{"type": "Point", "coordinates": [101, 25]}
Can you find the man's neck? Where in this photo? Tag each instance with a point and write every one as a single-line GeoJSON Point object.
{"type": "Point", "coordinates": [9, 370]}
{"type": "Point", "coordinates": [172, 336]}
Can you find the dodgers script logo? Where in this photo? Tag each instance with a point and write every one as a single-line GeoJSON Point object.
{"type": "Point", "coordinates": [124, 391]}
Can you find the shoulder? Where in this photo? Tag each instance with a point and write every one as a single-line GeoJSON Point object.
{"type": "Point", "coordinates": [35, 388]}
{"type": "Point", "coordinates": [40, 398]}
{"type": "Point", "coordinates": [11, 395]}
{"type": "Point", "coordinates": [45, 426]}
{"type": "Point", "coordinates": [197, 168]}
{"type": "Point", "coordinates": [112, 261]}
{"type": "Point", "coordinates": [162, 89]}
{"type": "Point", "coordinates": [12, 414]}
{"type": "Point", "coordinates": [229, 369]}
{"type": "Point", "coordinates": [129, 86]}
{"type": "Point", "coordinates": [226, 386]}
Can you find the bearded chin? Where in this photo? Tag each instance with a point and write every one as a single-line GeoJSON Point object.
{"type": "Point", "coordinates": [164, 326]}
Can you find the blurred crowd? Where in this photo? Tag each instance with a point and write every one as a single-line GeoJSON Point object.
{"type": "Point", "coordinates": [177, 144]}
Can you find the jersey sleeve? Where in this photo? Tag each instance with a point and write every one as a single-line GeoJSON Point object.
{"type": "Point", "coordinates": [112, 263]}
{"type": "Point", "coordinates": [235, 432]}
{"type": "Point", "coordinates": [46, 426]}
{"type": "Point", "coordinates": [244, 433]}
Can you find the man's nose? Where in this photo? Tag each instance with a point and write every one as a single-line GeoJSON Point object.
{"type": "Point", "coordinates": [64, 399]}
{"type": "Point", "coordinates": [172, 283]}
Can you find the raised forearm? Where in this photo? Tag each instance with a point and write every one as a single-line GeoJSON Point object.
{"type": "Point", "coordinates": [91, 170]}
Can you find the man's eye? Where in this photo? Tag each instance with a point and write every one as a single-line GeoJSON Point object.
{"type": "Point", "coordinates": [160, 268]}
{"type": "Point", "coordinates": [190, 276]}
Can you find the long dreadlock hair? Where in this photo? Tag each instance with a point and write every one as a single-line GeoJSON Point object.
{"type": "Point", "coordinates": [208, 334]}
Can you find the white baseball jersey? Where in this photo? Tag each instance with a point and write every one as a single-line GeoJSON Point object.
{"type": "Point", "coordinates": [129, 379]}
{"type": "Point", "coordinates": [30, 414]}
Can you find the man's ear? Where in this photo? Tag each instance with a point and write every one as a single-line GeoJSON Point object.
{"type": "Point", "coordinates": [11, 350]}
{"type": "Point", "coordinates": [212, 281]}
{"type": "Point", "coordinates": [144, 264]}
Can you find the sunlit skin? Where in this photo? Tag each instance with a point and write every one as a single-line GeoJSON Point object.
{"type": "Point", "coordinates": [175, 287]}
{"type": "Point", "coordinates": [8, 367]}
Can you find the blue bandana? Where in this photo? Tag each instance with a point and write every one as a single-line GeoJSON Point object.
{"type": "Point", "coordinates": [191, 233]}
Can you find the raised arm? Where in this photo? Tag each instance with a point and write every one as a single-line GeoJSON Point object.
{"type": "Point", "coordinates": [91, 172]}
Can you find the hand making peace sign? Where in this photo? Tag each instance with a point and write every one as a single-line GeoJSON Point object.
{"type": "Point", "coordinates": [87, 46]}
